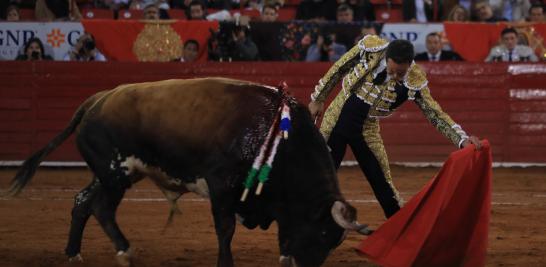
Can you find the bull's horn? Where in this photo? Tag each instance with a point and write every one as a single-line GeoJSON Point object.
{"type": "Point", "coordinates": [338, 211]}
{"type": "Point", "coordinates": [287, 261]}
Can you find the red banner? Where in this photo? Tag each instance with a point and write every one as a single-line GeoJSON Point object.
{"type": "Point", "coordinates": [473, 41]}
{"type": "Point", "coordinates": [131, 40]}
{"type": "Point", "coordinates": [446, 223]}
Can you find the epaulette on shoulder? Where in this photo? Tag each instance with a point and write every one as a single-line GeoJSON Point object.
{"type": "Point", "coordinates": [372, 43]}
{"type": "Point", "coordinates": [416, 78]}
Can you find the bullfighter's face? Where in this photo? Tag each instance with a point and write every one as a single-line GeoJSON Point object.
{"type": "Point", "coordinates": [397, 70]}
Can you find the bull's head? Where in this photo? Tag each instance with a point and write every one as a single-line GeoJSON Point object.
{"type": "Point", "coordinates": [310, 244]}
{"type": "Point", "coordinates": [313, 218]}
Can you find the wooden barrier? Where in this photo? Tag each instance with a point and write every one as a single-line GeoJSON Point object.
{"type": "Point", "coordinates": [503, 103]}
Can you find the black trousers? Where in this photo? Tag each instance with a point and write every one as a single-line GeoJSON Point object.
{"type": "Point", "coordinates": [349, 131]}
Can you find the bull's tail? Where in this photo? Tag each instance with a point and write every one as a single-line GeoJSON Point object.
{"type": "Point", "coordinates": [27, 170]}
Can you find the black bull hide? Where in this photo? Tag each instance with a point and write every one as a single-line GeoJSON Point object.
{"type": "Point", "coordinates": [202, 135]}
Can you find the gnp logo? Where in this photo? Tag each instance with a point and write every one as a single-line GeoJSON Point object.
{"type": "Point", "coordinates": [55, 38]}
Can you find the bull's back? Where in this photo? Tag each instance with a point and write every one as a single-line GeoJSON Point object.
{"type": "Point", "coordinates": [197, 116]}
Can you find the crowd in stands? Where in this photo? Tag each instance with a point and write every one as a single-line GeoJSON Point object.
{"type": "Point", "coordinates": [344, 11]}
{"type": "Point", "coordinates": [236, 42]}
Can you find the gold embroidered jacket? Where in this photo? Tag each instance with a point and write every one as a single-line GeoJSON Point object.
{"type": "Point", "coordinates": [362, 64]}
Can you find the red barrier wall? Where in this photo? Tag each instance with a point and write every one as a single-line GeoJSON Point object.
{"type": "Point", "coordinates": [504, 103]}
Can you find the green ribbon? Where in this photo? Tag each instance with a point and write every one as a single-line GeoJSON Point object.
{"type": "Point", "coordinates": [264, 173]}
{"type": "Point", "coordinates": [250, 179]}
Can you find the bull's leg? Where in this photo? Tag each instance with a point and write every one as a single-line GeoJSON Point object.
{"type": "Point", "coordinates": [104, 159]}
{"type": "Point", "coordinates": [80, 215]}
{"type": "Point", "coordinates": [224, 220]}
{"type": "Point", "coordinates": [104, 209]}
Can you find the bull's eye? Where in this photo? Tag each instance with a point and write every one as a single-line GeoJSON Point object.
{"type": "Point", "coordinates": [323, 233]}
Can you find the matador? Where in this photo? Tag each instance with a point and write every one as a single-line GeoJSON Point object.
{"type": "Point", "coordinates": [377, 77]}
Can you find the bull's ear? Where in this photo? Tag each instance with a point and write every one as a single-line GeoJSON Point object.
{"type": "Point", "coordinates": [345, 216]}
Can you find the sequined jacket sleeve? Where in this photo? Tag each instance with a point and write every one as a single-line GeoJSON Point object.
{"type": "Point", "coordinates": [437, 117]}
{"type": "Point", "coordinates": [432, 110]}
{"type": "Point", "coordinates": [335, 73]}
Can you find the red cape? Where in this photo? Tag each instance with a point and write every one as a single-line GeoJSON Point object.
{"type": "Point", "coordinates": [446, 223]}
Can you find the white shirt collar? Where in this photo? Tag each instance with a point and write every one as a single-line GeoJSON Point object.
{"type": "Point", "coordinates": [436, 56]}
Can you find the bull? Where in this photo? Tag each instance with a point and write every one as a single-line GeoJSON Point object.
{"type": "Point", "coordinates": [203, 135]}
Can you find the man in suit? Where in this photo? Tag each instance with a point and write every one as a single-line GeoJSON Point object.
{"type": "Point", "coordinates": [509, 50]}
{"type": "Point", "coordinates": [434, 51]}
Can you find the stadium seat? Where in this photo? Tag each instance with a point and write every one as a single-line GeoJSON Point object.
{"type": "Point", "coordinates": [287, 13]}
{"type": "Point", "coordinates": [130, 14]}
{"type": "Point", "coordinates": [384, 14]}
{"type": "Point", "coordinates": [177, 14]}
{"type": "Point", "coordinates": [388, 10]}
{"type": "Point", "coordinates": [97, 13]}
{"type": "Point", "coordinates": [252, 13]}
{"type": "Point", "coordinates": [27, 14]}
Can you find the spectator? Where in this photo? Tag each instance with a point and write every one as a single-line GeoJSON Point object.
{"type": "Point", "coordinates": [467, 4]}
{"type": "Point", "coordinates": [311, 10]}
{"type": "Point", "coordinates": [367, 29]}
{"type": "Point", "coordinates": [113, 4]}
{"type": "Point", "coordinates": [363, 10]}
{"type": "Point", "coordinates": [422, 10]}
{"type": "Point", "coordinates": [182, 4]}
{"type": "Point", "coordinates": [219, 4]}
{"type": "Point", "coordinates": [57, 10]}
{"type": "Point", "coordinates": [34, 50]}
{"type": "Point", "coordinates": [458, 14]}
{"type": "Point", "coordinates": [85, 49]}
{"type": "Point", "coordinates": [344, 14]}
{"type": "Point", "coordinates": [232, 43]}
{"type": "Point", "coordinates": [536, 13]}
{"type": "Point", "coordinates": [484, 12]}
{"type": "Point", "coordinates": [509, 50]}
{"type": "Point", "coordinates": [12, 13]}
{"type": "Point", "coordinates": [435, 52]}
{"type": "Point", "coordinates": [245, 48]}
{"type": "Point", "coordinates": [26, 4]}
{"type": "Point", "coordinates": [269, 13]}
{"type": "Point", "coordinates": [3, 7]}
{"type": "Point", "coordinates": [140, 4]}
{"type": "Point", "coordinates": [196, 10]}
{"type": "Point", "coordinates": [151, 12]}
{"type": "Point", "coordinates": [512, 10]}
{"type": "Point", "coordinates": [190, 51]}
{"type": "Point", "coordinates": [325, 48]}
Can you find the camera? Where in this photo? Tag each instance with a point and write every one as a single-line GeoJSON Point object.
{"type": "Point", "coordinates": [35, 55]}
{"type": "Point", "coordinates": [89, 44]}
{"type": "Point", "coordinates": [222, 46]}
{"type": "Point", "coordinates": [327, 39]}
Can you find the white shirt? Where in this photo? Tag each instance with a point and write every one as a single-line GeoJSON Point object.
{"type": "Point", "coordinates": [98, 57]}
{"type": "Point", "coordinates": [420, 11]}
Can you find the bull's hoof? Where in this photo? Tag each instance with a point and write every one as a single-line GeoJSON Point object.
{"type": "Point", "coordinates": [287, 261]}
{"type": "Point", "coordinates": [124, 258]}
{"type": "Point", "coordinates": [76, 259]}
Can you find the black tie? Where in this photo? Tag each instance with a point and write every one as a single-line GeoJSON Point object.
{"type": "Point", "coordinates": [510, 56]}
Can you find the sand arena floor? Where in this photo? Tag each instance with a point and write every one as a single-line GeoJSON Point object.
{"type": "Point", "coordinates": [34, 226]}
